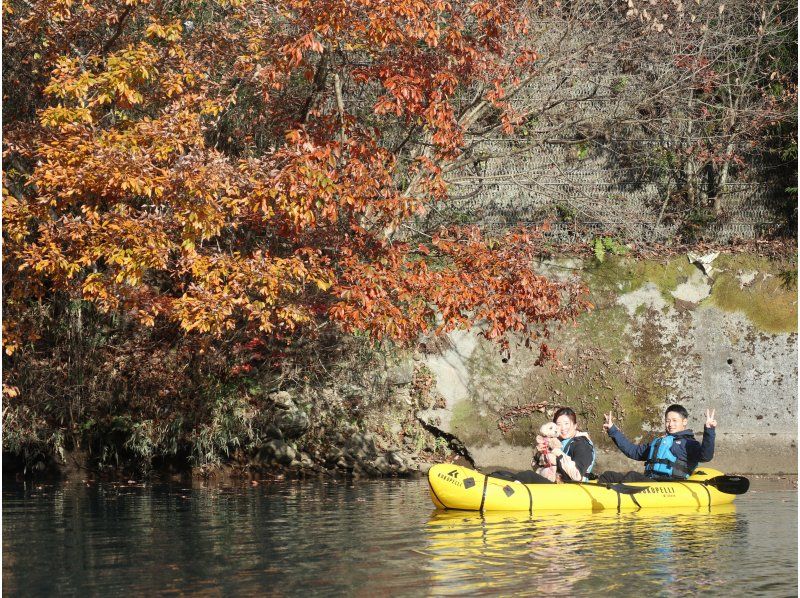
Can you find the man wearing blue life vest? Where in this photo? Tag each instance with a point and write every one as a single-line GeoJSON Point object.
{"type": "Point", "coordinates": [672, 456]}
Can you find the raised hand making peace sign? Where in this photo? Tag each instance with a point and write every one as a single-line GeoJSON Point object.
{"type": "Point", "coordinates": [609, 421]}
{"type": "Point", "coordinates": [710, 421]}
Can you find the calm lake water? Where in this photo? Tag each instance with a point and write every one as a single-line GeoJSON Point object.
{"type": "Point", "coordinates": [380, 538]}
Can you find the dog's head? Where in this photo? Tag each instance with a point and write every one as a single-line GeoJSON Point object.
{"type": "Point", "coordinates": [549, 430]}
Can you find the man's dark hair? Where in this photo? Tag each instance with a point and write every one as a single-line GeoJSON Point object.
{"type": "Point", "coordinates": [679, 409]}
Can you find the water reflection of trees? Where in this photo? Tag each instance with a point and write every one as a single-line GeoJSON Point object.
{"type": "Point", "coordinates": [579, 553]}
{"type": "Point", "coordinates": [338, 536]}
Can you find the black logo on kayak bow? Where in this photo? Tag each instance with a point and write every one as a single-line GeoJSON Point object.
{"type": "Point", "coordinates": [449, 478]}
{"type": "Point", "coordinates": [508, 490]}
{"type": "Point", "coordinates": [453, 473]}
{"type": "Point", "coordinates": [469, 483]}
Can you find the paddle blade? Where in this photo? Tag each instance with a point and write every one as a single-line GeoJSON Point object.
{"type": "Point", "coordinates": [624, 489]}
{"type": "Point", "coordinates": [616, 487]}
{"type": "Point", "coordinates": [730, 484]}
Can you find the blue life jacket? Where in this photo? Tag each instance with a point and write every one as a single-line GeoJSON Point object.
{"type": "Point", "coordinates": [661, 461]}
{"type": "Point", "coordinates": [568, 441]}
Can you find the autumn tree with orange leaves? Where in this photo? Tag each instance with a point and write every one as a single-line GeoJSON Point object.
{"type": "Point", "coordinates": [239, 164]}
{"type": "Point", "coordinates": [241, 174]}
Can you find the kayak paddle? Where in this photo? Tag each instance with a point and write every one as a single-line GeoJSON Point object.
{"type": "Point", "coordinates": [729, 484]}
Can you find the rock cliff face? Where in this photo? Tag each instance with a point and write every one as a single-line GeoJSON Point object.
{"type": "Point", "coordinates": [662, 332]}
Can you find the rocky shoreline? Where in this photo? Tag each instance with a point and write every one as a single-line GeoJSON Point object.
{"type": "Point", "coordinates": [297, 445]}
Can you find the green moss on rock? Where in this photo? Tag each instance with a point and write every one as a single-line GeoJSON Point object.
{"type": "Point", "coordinates": [605, 328]}
{"type": "Point", "coordinates": [473, 428]}
{"type": "Point", "coordinates": [620, 275]}
{"type": "Point", "coordinates": [766, 300]}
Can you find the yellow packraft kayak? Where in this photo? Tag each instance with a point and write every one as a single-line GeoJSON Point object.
{"type": "Point", "coordinates": [456, 487]}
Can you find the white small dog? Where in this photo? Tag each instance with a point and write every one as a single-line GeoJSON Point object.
{"type": "Point", "coordinates": [547, 444]}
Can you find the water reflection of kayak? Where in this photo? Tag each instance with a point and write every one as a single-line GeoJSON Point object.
{"type": "Point", "coordinates": [456, 487]}
{"type": "Point", "coordinates": [500, 525]}
{"type": "Point", "coordinates": [574, 552]}
{"type": "Point", "coordinates": [450, 519]}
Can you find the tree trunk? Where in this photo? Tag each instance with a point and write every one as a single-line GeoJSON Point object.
{"type": "Point", "coordinates": [723, 180]}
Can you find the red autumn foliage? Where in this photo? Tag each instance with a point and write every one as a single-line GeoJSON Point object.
{"type": "Point", "coordinates": [242, 166]}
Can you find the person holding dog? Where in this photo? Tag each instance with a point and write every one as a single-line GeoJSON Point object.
{"type": "Point", "coordinates": [574, 459]}
{"type": "Point", "coordinates": [563, 453]}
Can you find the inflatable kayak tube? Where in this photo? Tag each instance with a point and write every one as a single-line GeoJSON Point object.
{"type": "Point", "coordinates": [456, 487]}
